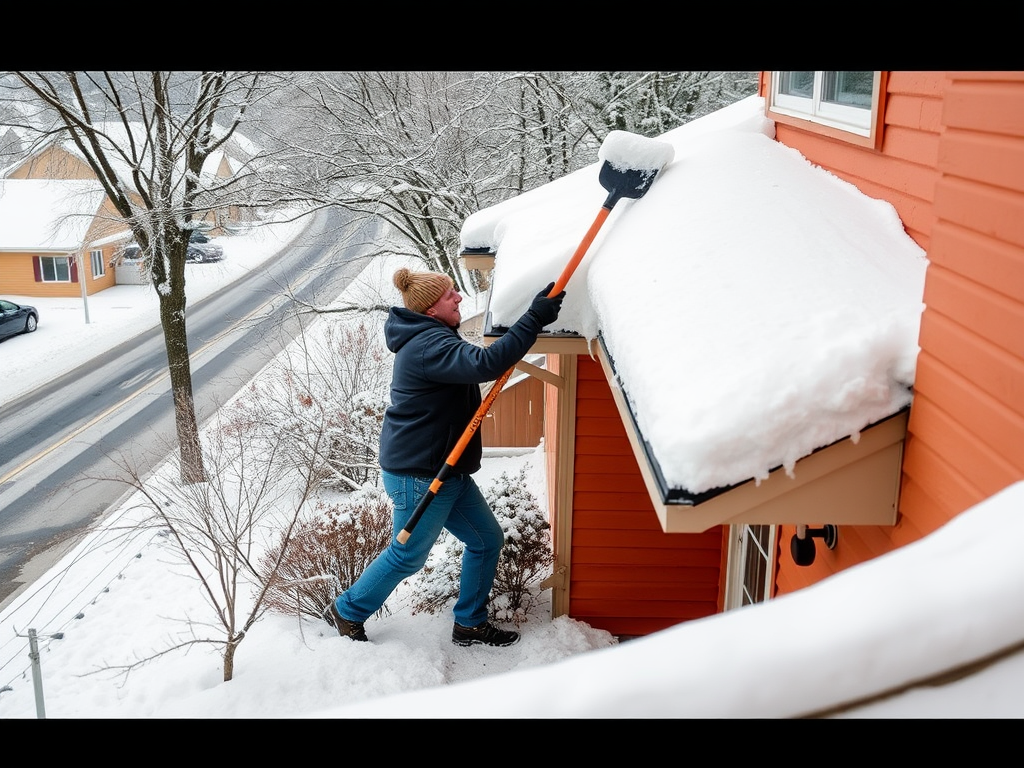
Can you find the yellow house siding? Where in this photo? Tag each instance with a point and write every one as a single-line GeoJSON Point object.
{"type": "Point", "coordinates": [16, 276]}
{"type": "Point", "coordinates": [53, 163]}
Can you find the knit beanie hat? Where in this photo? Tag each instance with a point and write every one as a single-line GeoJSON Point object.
{"type": "Point", "coordinates": [421, 290]}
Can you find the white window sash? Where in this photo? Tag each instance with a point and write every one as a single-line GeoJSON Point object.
{"type": "Point", "coordinates": [857, 120]}
{"type": "Point", "coordinates": [96, 257]}
{"type": "Point", "coordinates": [52, 265]}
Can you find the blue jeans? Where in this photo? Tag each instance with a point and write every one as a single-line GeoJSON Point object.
{"type": "Point", "coordinates": [459, 507]}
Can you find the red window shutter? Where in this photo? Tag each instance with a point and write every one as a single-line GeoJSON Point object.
{"type": "Point", "coordinates": [36, 269]}
{"type": "Point", "coordinates": [73, 263]}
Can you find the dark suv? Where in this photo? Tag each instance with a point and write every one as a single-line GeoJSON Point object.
{"type": "Point", "coordinates": [200, 250]}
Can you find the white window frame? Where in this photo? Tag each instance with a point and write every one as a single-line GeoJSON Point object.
{"type": "Point", "coordinates": [99, 269]}
{"type": "Point", "coordinates": [857, 125]}
{"type": "Point", "coordinates": [54, 259]}
{"type": "Point", "coordinates": [744, 543]}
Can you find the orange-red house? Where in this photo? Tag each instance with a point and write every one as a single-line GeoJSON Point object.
{"type": "Point", "coordinates": [946, 150]}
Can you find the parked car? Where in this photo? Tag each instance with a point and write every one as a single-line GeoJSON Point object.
{"type": "Point", "coordinates": [17, 318]}
{"type": "Point", "coordinates": [200, 250]}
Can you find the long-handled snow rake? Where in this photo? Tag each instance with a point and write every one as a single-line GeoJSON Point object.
{"type": "Point", "coordinates": [631, 163]}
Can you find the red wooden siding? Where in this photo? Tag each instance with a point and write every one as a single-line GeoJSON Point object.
{"type": "Point", "coordinates": [628, 576]}
{"type": "Point", "coordinates": [952, 164]}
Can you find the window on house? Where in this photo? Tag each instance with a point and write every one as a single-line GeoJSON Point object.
{"type": "Point", "coordinates": [55, 269]}
{"type": "Point", "coordinates": [98, 267]}
{"type": "Point", "coordinates": [757, 556]}
{"type": "Point", "coordinates": [751, 564]}
{"type": "Point", "coordinates": [845, 104]}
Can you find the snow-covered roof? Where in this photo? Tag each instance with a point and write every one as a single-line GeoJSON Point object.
{"type": "Point", "coordinates": [47, 214]}
{"type": "Point", "coordinates": [755, 306]}
{"type": "Point", "coordinates": [114, 135]}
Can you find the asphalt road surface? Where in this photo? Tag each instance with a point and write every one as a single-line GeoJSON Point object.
{"type": "Point", "coordinates": [119, 405]}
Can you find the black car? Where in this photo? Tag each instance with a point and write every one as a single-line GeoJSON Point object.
{"type": "Point", "coordinates": [200, 250]}
{"type": "Point", "coordinates": [17, 318]}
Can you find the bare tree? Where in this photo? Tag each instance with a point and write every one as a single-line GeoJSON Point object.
{"type": "Point", "coordinates": [147, 136]}
{"type": "Point", "coordinates": [650, 103]}
{"type": "Point", "coordinates": [261, 483]}
{"type": "Point", "coordinates": [422, 151]}
{"type": "Point", "coordinates": [312, 418]}
{"type": "Point", "coordinates": [327, 396]}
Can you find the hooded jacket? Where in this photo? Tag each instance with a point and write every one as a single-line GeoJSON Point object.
{"type": "Point", "coordinates": [435, 389]}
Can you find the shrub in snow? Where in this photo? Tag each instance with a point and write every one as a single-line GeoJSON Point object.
{"type": "Point", "coordinates": [526, 558]}
{"type": "Point", "coordinates": [325, 401]}
{"type": "Point", "coordinates": [327, 553]}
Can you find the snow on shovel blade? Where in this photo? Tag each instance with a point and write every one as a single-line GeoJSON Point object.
{"type": "Point", "coordinates": [631, 162]}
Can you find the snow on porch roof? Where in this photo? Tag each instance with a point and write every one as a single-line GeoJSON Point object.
{"type": "Point", "coordinates": [755, 306]}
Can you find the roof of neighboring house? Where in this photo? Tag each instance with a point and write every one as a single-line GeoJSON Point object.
{"type": "Point", "coordinates": [755, 307]}
{"type": "Point", "coordinates": [237, 150]}
{"type": "Point", "coordinates": [47, 214]}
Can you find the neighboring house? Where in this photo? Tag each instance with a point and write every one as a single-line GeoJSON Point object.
{"type": "Point", "coordinates": [61, 159]}
{"type": "Point", "coordinates": [229, 163]}
{"type": "Point", "coordinates": [57, 237]}
{"type": "Point", "coordinates": [946, 150]}
{"type": "Point", "coordinates": [54, 270]}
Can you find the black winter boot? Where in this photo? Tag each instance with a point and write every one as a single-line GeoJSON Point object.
{"type": "Point", "coordinates": [484, 634]}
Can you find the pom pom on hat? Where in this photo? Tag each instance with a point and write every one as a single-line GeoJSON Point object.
{"type": "Point", "coordinates": [421, 290]}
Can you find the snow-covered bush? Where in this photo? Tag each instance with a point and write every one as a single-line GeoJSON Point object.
{"type": "Point", "coordinates": [526, 558]}
{"type": "Point", "coordinates": [328, 552]}
{"type": "Point", "coordinates": [325, 399]}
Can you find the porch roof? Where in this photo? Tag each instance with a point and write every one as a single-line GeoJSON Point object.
{"type": "Point", "coordinates": [753, 308]}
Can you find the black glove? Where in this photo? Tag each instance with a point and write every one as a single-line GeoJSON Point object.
{"type": "Point", "coordinates": [546, 310]}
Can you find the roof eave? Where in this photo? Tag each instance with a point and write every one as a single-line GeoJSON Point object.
{"type": "Point", "coordinates": [844, 483]}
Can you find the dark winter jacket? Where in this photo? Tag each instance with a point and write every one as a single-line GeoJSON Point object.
{"type": "Point", "coordinates": [435, 390]}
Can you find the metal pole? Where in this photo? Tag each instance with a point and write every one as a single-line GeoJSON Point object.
{"type": "Point", "coordinates": [80, 261]}
{"type": "Point", "coordinates": [37, 675]}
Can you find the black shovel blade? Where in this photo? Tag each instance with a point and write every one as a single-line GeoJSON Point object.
{"type": "Point", "coordinates": [625, 182]}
